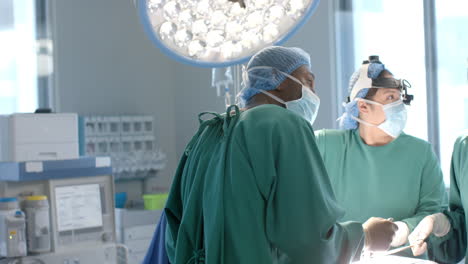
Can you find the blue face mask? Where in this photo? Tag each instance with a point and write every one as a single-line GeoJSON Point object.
{"type": "Point", "coordinates": [307, 106]}
{"type": "Point", "coordinates": [395, 118]}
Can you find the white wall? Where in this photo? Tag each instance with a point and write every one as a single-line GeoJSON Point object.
{"type": "Point", "coordinates": [106, 65]}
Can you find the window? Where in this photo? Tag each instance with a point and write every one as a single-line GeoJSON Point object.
{"type": "Point", "coordinates": [26, 56]}
{"type": "Point", "coordinates": [421, 41]}
{"type": "Point", "coordinates": [392, 29]}
{"type": "Point", "coordinates": [452, 74]}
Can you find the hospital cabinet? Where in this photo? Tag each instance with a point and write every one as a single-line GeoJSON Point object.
{"type": "Point", "coordinates": [80, 196]}
{"type": "Point", "coordinates": [26, 137]}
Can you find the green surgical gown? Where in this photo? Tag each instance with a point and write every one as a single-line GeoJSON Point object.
{"type": "Point", "coordinates": [400, 180]}
{"type": "Point", "coordinates": [453, 247]}
{"type": "Point", "coordinates": [252, 188]}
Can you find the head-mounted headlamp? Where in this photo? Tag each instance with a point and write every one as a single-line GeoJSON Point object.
{"type": "Point", "coordinates": [364, 81]}
{"type": "Point", "coordinates": [400, 84]}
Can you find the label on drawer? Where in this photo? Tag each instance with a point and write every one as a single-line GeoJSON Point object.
{"type": "Point", "coordinates": [103, 162]}
{"type": "Point", "coordinates": [34, 166]}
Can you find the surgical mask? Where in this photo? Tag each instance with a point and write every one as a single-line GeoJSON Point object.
{"type": "Point", "coordinates": [395, 118]}
{"type": "Point", "coordinates": [307, 106]}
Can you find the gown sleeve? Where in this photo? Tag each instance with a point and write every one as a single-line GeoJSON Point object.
{"type": "Point", "coordinates": [451, 248]}
{"type": "Point", "coordinates": [301, 211]}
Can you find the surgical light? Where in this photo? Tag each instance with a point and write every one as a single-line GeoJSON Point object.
{"type": "Point", "coordinates": [220, 33]}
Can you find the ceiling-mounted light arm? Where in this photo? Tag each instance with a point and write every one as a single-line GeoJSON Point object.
{"type": "Point", "coordinates": [227, 82]}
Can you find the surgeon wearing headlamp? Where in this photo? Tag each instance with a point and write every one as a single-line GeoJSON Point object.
{"type": "Point", "coordinates": [375, 168]}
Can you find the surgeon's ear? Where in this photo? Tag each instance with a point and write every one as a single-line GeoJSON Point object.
{"type": "Point", "coordinates": [285, 85]}
{"type": "Point", "coordinates": [363, 107]}
{"type": "Point", "coordinates": [288, 90]}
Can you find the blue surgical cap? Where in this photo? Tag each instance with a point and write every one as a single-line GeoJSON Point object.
{"type": "Point", "coordinates": [280, 59]}
{"type": "Point", "coordinates": [346, 121]}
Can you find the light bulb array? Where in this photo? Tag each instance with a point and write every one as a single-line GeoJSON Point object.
{"type": "Point", "coordinates": [221, 30]}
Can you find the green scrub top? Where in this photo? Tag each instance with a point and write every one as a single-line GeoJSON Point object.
{"type": "Point", "coordinates": [251, 187]}
{"type": "Point", "coordinates": [452, 247]}
{"type": "Point", "coordinates": [400, 180]}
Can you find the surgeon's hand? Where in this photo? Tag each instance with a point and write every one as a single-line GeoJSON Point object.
{"type": "Point", "coordinates": [379, 233]}
{"type": "Point", "coordinates": [401, 235]}
{"type": "Point", "coordinates": [419, 234]}
{"type": "Point", "coordinates": [438, 224]}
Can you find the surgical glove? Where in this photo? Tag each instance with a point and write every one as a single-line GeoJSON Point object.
{"type": "Point", "coordinates": [401, 235]}
{"type": "Point", "coordinates": [379, 233]}
{"type": "Point", "coordinates": [437, 224]}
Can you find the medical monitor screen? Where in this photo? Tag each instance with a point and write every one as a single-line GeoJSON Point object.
{"type": "Point", "coordinates": [78, 207]}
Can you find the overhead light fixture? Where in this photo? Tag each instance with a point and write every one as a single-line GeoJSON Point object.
{"type": "Point", "coordinates": [220, 33]}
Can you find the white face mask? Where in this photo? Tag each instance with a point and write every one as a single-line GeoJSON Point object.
{"type": "Point", "coordinates": [395, 117]}
{"type": "Point", "coordinates": [307, 106]}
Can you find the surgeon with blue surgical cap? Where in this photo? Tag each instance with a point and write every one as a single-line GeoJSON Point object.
{"type": "Point", "coordinates": [284, 80]}
{"type": "Point", "coordinates": [374, 167]}
{"type": "Point", "coordinates": [251, 186]}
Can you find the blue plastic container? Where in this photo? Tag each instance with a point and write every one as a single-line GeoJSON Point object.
{"type": "Point", "coordinates": [120, 199]}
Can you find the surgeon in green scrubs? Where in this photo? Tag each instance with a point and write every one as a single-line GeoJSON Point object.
{"type": "Point", "coordinates": [375, 168]}
{"type": "Point", "coordinates": [448, 242]}
{"type": "Point", "coordinates": [251, 186]}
